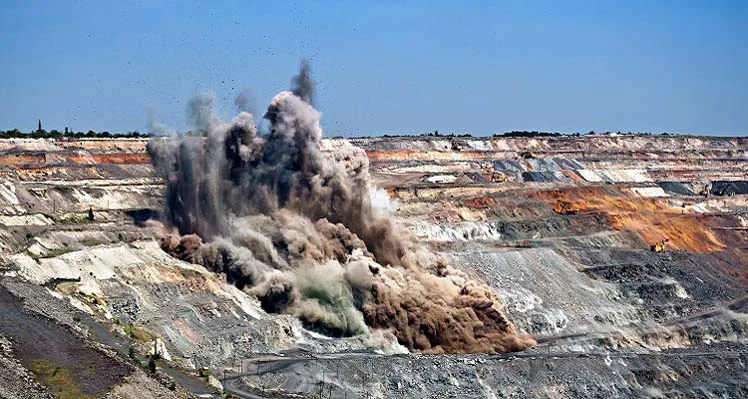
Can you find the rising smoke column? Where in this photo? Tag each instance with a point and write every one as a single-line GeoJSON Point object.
{"type": "Point", "coordinates": [295, 226]}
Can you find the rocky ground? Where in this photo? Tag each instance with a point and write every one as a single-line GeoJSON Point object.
{"type": "Point", "coordinates": [560, 227]}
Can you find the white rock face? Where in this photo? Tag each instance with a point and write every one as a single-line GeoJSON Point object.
{"type": "Point", "coordinates": [590, 175]}
{"type": "Point", "coordinates": [441, 179]}
{"type": "Point", "coordinates": [158, 347]}
{"type": "Point", "coordinates": [467, 231]}
{"type": "Point", "coordinates": [26, 220]}
{"type": "Point", "coordinates": [650, 192]}
{"type": "Point", "coordinates": [8, 194]}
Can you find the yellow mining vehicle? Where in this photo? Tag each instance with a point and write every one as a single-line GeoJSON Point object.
{"type": "Point", "coordinates": [494, 175]}
{"type": "Point", "coordinates": [659, 246]}
{"type": "Point", "coordinates": [498, 177]}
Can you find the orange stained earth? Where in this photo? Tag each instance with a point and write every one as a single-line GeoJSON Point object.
{"type": "Point", "coordinates": [652, 219]}
{"type": "Point", "coordinates": [480, 202]}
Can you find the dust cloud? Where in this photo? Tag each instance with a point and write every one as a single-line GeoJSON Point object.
{"type": "Point", "coordinates": [295, 226]}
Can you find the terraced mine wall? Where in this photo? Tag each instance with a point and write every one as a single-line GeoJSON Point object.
{"type": "Point", "coordinates": [624, 256]}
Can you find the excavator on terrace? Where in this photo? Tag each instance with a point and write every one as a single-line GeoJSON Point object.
{"type": "Point", "coordinates": [494, 175]}
{"type": "Point", "coordinates": [659, 246]}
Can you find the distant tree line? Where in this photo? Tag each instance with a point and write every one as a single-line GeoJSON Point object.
{"type": "Point", "coordinates": [435, 133]}
{"type": "Point", "coordinates": [516, 133]}
{"type": "Point", "coordinates": [534, 133]}
{"type": "Point", "coordinates": [67, 133]}
{"type": "Point", "coordinates": [525, 133]}
{"type": "Point", "coordinates": [56, 134]}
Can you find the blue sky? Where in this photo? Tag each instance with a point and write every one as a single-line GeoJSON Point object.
{"type": "Point", "coordinates": [383, 67]}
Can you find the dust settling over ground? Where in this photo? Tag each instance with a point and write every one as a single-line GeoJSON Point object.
{"type": "Point", "coordinates": [296, 227]}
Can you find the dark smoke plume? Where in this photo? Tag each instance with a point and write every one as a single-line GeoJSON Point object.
{"type": "Point", "coordinates": [303, 85]}
{"type": "Point", "coordinates": [294, 225]}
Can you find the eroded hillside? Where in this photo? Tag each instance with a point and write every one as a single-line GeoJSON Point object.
{"type": "Point", "coordinates": [564, 230]}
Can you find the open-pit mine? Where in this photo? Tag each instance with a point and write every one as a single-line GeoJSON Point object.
{"type": "Point", "coordinates": [230, 262]}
